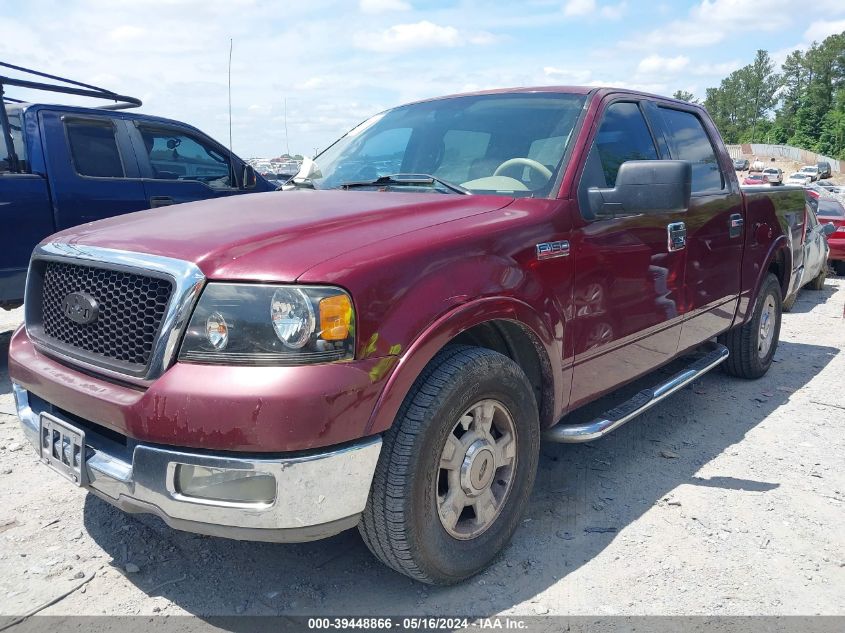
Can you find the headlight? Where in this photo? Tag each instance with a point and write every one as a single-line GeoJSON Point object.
{"type": "Point", "coordinates": [259, 324]}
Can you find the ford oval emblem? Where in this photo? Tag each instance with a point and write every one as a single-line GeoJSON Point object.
{"type": "Point", "coordinates": [80, 307]}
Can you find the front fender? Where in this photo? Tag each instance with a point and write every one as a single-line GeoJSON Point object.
{"type": "Point", "coordinates": [438, 334]}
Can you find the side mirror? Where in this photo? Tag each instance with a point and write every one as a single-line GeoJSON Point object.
{"type": "Point", "coordinates": [249, 178]}
{"type": "Point", "coordinates": [828, 228]}
{"type": "Point", "coordinates": [644, 186]}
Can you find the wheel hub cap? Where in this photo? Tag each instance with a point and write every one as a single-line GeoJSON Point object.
{"type": "Point", "coordinates": [476, 469]}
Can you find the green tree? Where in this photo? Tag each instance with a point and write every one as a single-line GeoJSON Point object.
{"type": "Point", "coordinates": [684, 95]}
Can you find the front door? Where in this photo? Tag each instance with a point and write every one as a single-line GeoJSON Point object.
{"type": "Point", "coordinates": [181, 166]}
{"type": "Point", "coordinates": [628, 283]}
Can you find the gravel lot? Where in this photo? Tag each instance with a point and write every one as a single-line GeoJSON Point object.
{"type": "Point", "coordinates": [726, 499]}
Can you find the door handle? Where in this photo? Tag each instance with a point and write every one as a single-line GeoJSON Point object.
{"type": "Point", "coordinates": [736, 225]}
{"type": "Point", "coordinates": [677, 236]}
{"type": "Point", "coordinates": [160, 201]}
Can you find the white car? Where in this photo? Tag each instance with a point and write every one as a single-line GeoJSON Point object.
{"type": "Point", "coordinates": [799, 178]}
{"type": "Point", "coordinates": [812, 171]}
{"type": "Point", "coordinates": [773, 175]}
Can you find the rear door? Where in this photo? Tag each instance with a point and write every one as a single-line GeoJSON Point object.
{"type": "Point", "coordinates": [90, 166]}
{"type": "Point", "coordinates": [180, 165]}
{"type": "Point", "coordinates": [714, 226]}
{"type": "Point", "coordinates": [629, 285]}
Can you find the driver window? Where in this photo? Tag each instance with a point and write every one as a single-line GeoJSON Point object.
{"type": "Point", "coordinates": [622, 136]}
{"type": "Point", "coordinates": [176, 156]}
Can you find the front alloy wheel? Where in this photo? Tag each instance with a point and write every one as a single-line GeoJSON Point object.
{"type": "Point", "coordinates": [456, 468]}
{"type": "Point", "coordinates": [476, 469]}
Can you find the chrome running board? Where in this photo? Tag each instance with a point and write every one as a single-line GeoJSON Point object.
{"type": "Point", "coordinates": [640, 403]}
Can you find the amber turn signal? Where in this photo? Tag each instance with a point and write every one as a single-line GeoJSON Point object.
{"type": "Point", "coordinates": [335, 318]}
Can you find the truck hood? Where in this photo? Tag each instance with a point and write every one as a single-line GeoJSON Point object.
{"type": "Point", "coordinates": [276, 236]}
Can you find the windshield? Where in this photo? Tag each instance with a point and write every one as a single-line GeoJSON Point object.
{"type": "Point", "coordinates": [507, 144]}
{"type": "Point", "coordinates": [809, 168]}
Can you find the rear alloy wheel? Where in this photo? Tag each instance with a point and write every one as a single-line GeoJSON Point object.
{"type": "Point", "coordinates": [752, 345]}
{"type": "Point", "coordinates": [456, 468]}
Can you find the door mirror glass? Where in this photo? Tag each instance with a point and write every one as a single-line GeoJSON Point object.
{"type": "Point", "coordinates": [828, 228]}
{"type": "Point", "coordinates": [644, 187]}
{"type": "Point", "coordinates": [249, 178]}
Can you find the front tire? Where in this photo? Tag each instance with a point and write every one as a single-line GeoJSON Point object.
{"type": "Point", "coordinates": [456, 468]}
{"type": "Point", "coordinates": [752, 345]}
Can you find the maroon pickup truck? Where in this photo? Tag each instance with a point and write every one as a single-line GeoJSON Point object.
{"type": "Point", "coordinates": [385, 345]}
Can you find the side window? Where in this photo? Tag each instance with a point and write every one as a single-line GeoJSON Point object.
{"type": "Point", "coordinates": [93, 148]}
{"type": "Point", "coordinates": [461, 148]}
{"type": "Point", "coordinates": [17, 143]}
{"type": "Point", "coordinates": [690, 142]}
{"type": "Point", "coordinates": [622, 136]}
{"type": "Point", "coordinates": [175, 155]}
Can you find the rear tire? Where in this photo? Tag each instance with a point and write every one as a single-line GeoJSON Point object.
{"type": "Point", "coordinates": [818, 282]}
{"type": "Point", "coordinates": [752, 345]}
{"type": "Point", "coordinates": [467, 432]}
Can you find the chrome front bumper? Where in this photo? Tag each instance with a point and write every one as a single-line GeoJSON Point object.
{"type": "Point", "coordinates": [317, 495]}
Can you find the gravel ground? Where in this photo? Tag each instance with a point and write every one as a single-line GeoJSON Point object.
{"type": "Point", "coordinates": [727, 499]}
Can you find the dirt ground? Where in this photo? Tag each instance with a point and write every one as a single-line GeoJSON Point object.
{"type": "Point", "coordinates": [728, 498]}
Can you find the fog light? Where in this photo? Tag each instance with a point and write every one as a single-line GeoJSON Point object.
{"type": "Point", "coordinates": [224, 484]}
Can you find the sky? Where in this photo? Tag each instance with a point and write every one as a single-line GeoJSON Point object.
{"type": "Point", "coordinates": [332, 64]}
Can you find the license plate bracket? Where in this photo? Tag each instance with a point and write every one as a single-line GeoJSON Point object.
{"type": "Point", "coordinates": [62, 448]}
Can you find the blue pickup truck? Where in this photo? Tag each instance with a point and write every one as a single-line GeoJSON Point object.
{"type": "Point", "coordinates": [64, 165]}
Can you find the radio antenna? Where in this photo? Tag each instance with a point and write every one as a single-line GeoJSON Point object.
{"type": "Point", "coordinates": [230, 95]}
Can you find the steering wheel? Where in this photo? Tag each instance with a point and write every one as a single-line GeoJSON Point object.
{"type": "Point", "coordinates": [525, 162]}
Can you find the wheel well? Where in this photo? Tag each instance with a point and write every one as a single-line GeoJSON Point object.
{"type": "Point", "coordinates": [778, 268]}
{"type": "Point", "coordinates": [522, 346]}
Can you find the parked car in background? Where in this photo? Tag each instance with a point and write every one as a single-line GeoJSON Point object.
{"type": "Point", "coordinates": [68, 165]}
{"type": "Point", "coordinates": [824, 169]}
{"type": "Point", "coordinates": [831, 187]}
{"type": "Point", "coordinates": [832, 211]}
{"type": "Point", "coordinates": [757, 179]}
{"type": "Point", "coordinates": [773, 175]}
{"type": "Point", "coordinates": [798, 178]}
{"type": "Point", "coordinates": [812, 270]}
{"type": "Point", "coordinates": [757, 165]}
{"type": "Point", "coordinates": [741, 164]}
{"type": "Point", "coordinates": [810, 170]}
{"type": "Point", "coordinates": [384, 348]}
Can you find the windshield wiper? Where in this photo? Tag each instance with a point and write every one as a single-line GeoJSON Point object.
{"type": "Point", "coordinates": [408, 180]}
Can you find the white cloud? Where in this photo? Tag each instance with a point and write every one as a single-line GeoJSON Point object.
{"type": "Point", "coordinates": [382, 6]}
{"type": "Point", "coordinates": [423, 34]}
{"type": "Point", "coordinates": [125, 33]}
{"type": "Point", "coordinates": [567, 75]}
{"type": "Point", "coordinates": [719, 69]}
{"type": "Point", "coordinates": [713, 21]}
{"type": "Point", "coordinates": [821, 29]}
{"type": "Point", "coordinates": [614, 11]}
{"type": "Point", "coordinates": [657, 64]}
{"type": "Point", "coordinates": [579, 7]}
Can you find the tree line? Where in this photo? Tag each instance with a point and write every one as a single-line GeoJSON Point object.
{"type": "Point", "coordinates": [801, 105]}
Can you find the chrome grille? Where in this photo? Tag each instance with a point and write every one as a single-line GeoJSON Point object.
{"type": "Point", "coordinates": [131, 309]}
